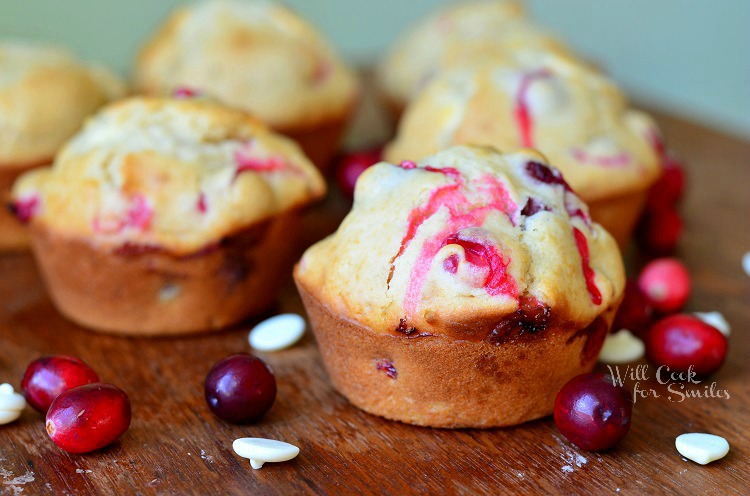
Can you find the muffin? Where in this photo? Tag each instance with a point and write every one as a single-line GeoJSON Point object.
{"type": "Point", "coordinates": [167, 216]}
{"type": "Point", "coordinates": [45, 95]}
{"type": "Point", "coordinates": [462, 291]}
{"type": "Point", "coordinates": [571, 113]}
{"type": "Point", "coordinates": [465, 31]}
{"type": "Point", "coordinates": [257, 56]}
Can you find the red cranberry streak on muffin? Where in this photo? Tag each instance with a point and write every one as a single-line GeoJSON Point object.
{"type": "Point", "coordinates": [452, 36]}
{"type": "Point", "coordinates": [527, 98]}
{"type": "Point", "coordinates": [487, 271]}
{"type": "Point", "coordinates": [181, 208]}
{"type": "Point", "coordinates": [524, 118]}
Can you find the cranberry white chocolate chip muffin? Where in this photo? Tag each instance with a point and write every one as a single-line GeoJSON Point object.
{"type": "Point", "coordinates": [462, 291]}
{"type": "Point", "coordinates": [574, 115]}
{"type": "Point", "coordinates": [258, 56]}
{"type": "Point", "coordinates": [45, 95]}
{"type": "Point", "coordinates": [467, 30]}
{"type": "Point", "coordinates": [165, 216]}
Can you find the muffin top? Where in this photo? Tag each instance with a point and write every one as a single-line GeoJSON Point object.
{"type": "Point", "coordinates": [169, 174]}
{"type": "Point", "coordinates": [464, 240]}
{"type": "Point", "coordinates": [466, 31]}
{"type": "Point", "coordinates": [574, 115]}
{"type": "Point", "coordinates": [254, 55]}
{"type": "Point", "coordinates": [45, 96]}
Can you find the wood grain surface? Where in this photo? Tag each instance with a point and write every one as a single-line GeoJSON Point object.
{"type": "Point", "coordinates": [176, 446]}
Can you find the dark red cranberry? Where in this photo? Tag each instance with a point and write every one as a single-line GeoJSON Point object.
{"type": "Point", "coordinates": [352, 165]}
{"type": "Point", "coordinates": [659, 232]}
{"type": "Point", "coordinates": [592, 412]}
{"type": "Point", "coordinates": [24, 209]}
{"type": "Point", "coordinates": [668, 190]}
{"type": "Point", "coordinates": [545, 174]}
{"type": "Point", "coordinates": [531, 317]}
{"type": "Point", "coordinates": [88, 418]}
{"type": "Point", "coordinates": [681, 341]}
{"type": "Point", "coordinates": [386, 366]}
{"type": "Point", "coordinates": [49, 376]}
{"type": "Point", "coordinates": [240, 388]}
{"type": "Point", "coordinates": [665, 282]}
{"type": "Point", "coordinates": [634, 313]}
{"type": "Point", "coordinates": [534, 206]}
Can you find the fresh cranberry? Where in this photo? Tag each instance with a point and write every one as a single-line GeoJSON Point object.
{"type": "Point", "coordinates": [634, 313]}
{"type": "Point", "coordinates": [681, 341]}
{"type": "Point", "coordinates": [352, 165]}
{"type": "Point", "coordinates": [659, 232]}
{"type": "Point", "coordinates": [49, 376]}
{"type": "Point", "coordinates": [88, 418]}
{"type": "Point", "coordinates": [668, 190]}
{"type": "Point", "coordinates": [666, 284]}
{"type": "Point", "coordinates": [240, 388]}
{"type": "Point", "coordinates": [592, 412]}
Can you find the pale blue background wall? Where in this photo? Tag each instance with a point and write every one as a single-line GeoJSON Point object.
{"type": "Point", "coordinates": [688, 56]}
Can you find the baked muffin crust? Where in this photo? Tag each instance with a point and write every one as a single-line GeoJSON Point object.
{"type": "Point", "coordinates": [177, 175]}
{"type": "Point", "coordinates": [461, 241]}
{"type": "Point", "coordinates": [258, 56]}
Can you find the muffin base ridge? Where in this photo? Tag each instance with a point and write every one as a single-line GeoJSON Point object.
{"type": "Point", "coordinates": [619, 215]}
{"type": "Point", "coordinates": [320, 143]}
{"type": "Point", "coordinates": [437, 381]}
{"type": "Point", "coordinates": [137, 291]}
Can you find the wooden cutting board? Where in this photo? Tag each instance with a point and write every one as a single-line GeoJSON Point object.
{"type": "Point", "coordinates": [176, 446]}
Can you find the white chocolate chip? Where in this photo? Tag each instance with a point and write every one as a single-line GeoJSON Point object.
{"type": "Point", "coordinates": [746, 263]}
{"type": "Point", "coordinates": [11, 404]}
{"type": "Point", "coordinates": [260, 450]}
{"type": "Point", "coordinates": [277, 333]}
{"type": "Point", "coordinates": [715, 319]}
{"type": "Point", "coordinates": [621, 347]}
{"type": "Point", "coordinates": [701, 448]}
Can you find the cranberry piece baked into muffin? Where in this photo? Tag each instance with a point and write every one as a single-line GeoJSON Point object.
{"type": "Point", "coordinates": [45, 95]}
{"type": "Point", "coordinates": [571, 113]}
{"type": "Point", "coordinates": [455, 34]}
{"type": "Point", "coordinates": [167, 216]}
{"type": "Point", "coordinates": [462, 291]}
{"type": "Point", "coordinates": [258, 56]}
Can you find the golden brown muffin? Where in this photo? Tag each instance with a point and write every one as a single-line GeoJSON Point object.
{"type": "Point", "coordinates": [167, 216]}
{"type": "Point", "coordinates": [462, 291]}
{"type": "Point", "coordinates": [472, 30]}
{"type": "Point", "coordinates": [45, 95]}
{"type": "Point", "coordinates": [575, 116]}
{"type": "Point", "coordinates": [257, 56]}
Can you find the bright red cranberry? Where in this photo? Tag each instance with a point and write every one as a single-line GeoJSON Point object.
{"type": "Point", "coordinates": [666, 284]}
{"type": "Point", "coordinates": [240, 388]}
{"type": "Point", "coordinates": [592, 412]}
{"type": "Point", "coordinates": [681, 341]}
{"type": "Point", "coordinates": [88, 418]}
{"type": "Point", "coordinates": [668, 190]}
{"type": "Point", "coordinates": [352, 165]}
{"type": "Point", "coordinates": [634, 313]}
{"type": "Point", "coordinates": [49, 376]}
{"type": "Point", "coordinates": [659, 231]}
{"type": "Point", "coordinates": [182, 92]}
